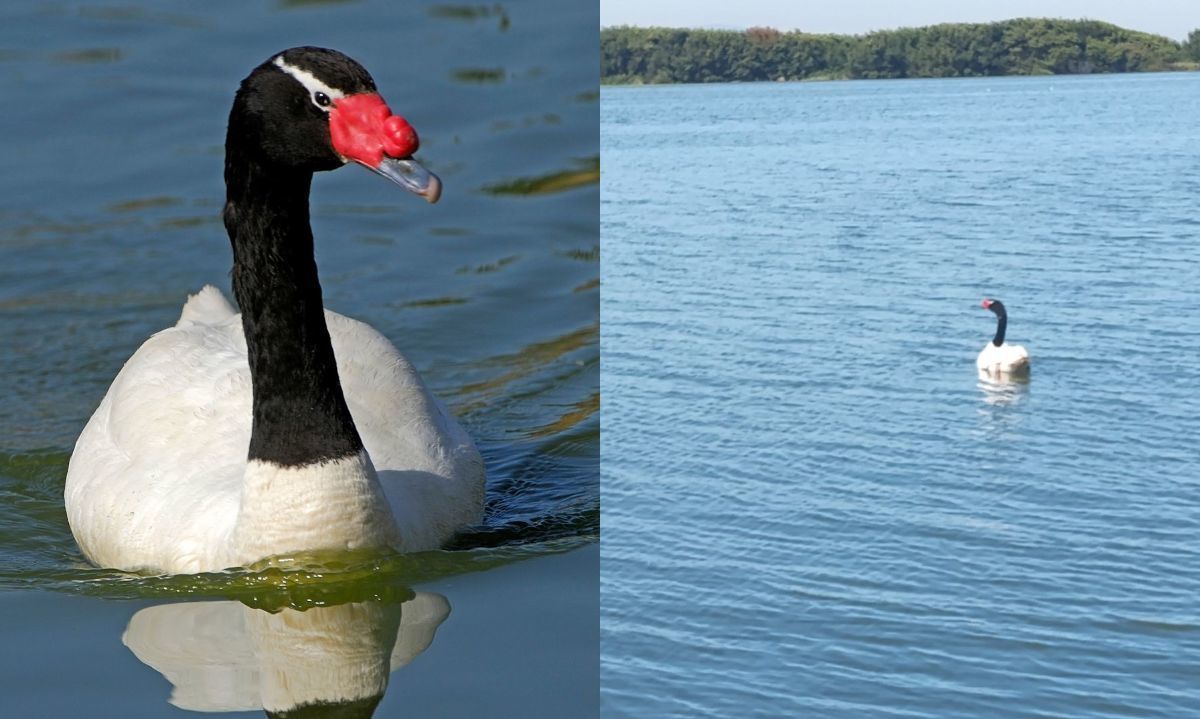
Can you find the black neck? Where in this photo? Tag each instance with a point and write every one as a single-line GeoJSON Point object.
{"type": "Point", "coordinates": [1002, 325]}
{"type": "Point", "coordinates": [300, 413]}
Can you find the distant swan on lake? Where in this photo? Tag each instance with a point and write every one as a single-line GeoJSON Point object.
{"type": "Point", "coordinates": [998, 358]}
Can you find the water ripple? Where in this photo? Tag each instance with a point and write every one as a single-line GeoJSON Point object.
{"type": "Point", "coordinates": [812, 505]}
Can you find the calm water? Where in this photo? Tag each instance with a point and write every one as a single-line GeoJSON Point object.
{"type": "Point", "coordinates": [812, 506]}
{"type": "Point", "coordinates": [109, 215]}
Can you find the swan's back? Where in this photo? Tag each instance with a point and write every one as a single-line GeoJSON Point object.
{"type": "Point", "coordinates": [1006, 358]}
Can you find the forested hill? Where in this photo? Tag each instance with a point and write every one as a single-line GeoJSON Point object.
{"type": "Point", "coordinates": [1014, 47]}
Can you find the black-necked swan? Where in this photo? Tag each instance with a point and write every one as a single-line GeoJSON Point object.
{"type": "Point", "coordinates": [230, 438]}
{"type": "Point", "coordinates": [998, 357]}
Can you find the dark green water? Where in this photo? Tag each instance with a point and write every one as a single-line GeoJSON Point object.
{"type": "Point", "coordinates": [109, 217]}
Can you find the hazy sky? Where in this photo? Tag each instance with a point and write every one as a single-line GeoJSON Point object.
{"type": "Point", "coordinates": [1173, 18]}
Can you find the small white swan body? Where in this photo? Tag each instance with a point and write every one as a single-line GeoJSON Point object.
{"type": "Point", "coordinates": [1004, 359]}
{"type": "Point", "coordinates": [159, 479]}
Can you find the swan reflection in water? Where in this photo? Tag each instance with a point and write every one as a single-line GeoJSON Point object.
{"type": "Point", "coordinates": [1003, 389]}
{"type": "Point", "coordinates": [322, 661]}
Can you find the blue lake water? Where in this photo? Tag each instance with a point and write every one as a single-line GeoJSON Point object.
{"type": "Point", "coordinates": [110, 197]}
{"type": "Point", "coordinates": [812, 504]}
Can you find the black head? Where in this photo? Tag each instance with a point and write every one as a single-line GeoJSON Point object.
{"type": "Point", "coordinates": [281, 113]}
{"type": "Point", "coordinates": [312, 109]}
{"type": "Point", "coordinates": [995, 306]}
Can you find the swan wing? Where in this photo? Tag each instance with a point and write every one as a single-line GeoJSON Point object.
{"type": "Point", "coordinates": [1005, 358]}
{"type": "Point", "coordinates": [155, 478]}
{"type": "Point", "coordinates": [430, 469]}
{"type": "Point", "coordinates": [208, 306]}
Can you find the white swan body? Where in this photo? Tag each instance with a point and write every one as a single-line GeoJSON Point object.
{"type": "Point", "coordinates": [1003, 359]}
{"type": "Point", "coordinates": [160, 481]}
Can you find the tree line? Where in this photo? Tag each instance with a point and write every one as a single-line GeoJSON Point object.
{"type": "Point", "coordinates": [1026, 46]}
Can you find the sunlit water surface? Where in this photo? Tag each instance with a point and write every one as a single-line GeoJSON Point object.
{"type": "Point", "coordinates": [812, 506]}
{"type": "Point", "coordinates": [109, 217]}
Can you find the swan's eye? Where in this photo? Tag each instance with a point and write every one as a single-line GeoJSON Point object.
{"type": "Point", "coordinates": [322, 99]}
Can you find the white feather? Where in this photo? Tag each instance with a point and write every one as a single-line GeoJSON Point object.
{"type": "Point", "coordinates": [1005, 359]}
{"type": "Point", "coordinates": [159, 479]}
{"type": "Point", "coordinates": [311, 82]}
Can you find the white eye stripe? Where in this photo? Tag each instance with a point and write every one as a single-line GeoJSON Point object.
{"type": "Point", "coordinates": [310, 82]}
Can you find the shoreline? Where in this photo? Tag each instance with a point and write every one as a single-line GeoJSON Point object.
{"type": "Point", "coordinates": [823, 80]}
